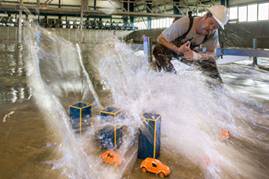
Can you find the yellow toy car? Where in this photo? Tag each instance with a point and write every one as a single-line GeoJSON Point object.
{"type": "Point", "coordinates": [111, 157]}
{"type": "Point", "coordinates": [153, 165]}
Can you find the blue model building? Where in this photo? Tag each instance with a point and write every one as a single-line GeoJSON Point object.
{"type": "Point", "coordinates": [109, 113]}
{"type": "Point", "coordinates": [80, 114]}
{"type": "Point", "coordinates": [149, 143]}
{"type": "Point", "coordinates": [109, 137]}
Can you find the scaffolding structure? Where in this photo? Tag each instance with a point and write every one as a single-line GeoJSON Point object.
{"type": "Point", "coordinates": [117, 15]}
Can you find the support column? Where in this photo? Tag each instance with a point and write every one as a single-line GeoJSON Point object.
{"type": "Point", "coordinates": [66, 23]}
{"type": "Point", "coordinates": [175, 7]}
{"type": "Point", "coordinates": [38, 7]}
{"type": "Point", "coordinates": [46, 23]}
{"type": "Point", "coordinates": [94, 8]}
{"type": "Point", "coordinates": [224, 3]}
{"type": "Point", "coordinates": [94, 5]}
{"type": "Point", "coordinates": [125, 18]}
{"type": "Point", "coordinates": [59, 4]}
{"type": "Point", "coordinates": [149, 10]}
{"type": "Point", "coordinates": [83, 8]}
{"type": "Point", "coordinates": [60, 17]}
{"type": "Point", "coordinates": [19, 34]}
{"type": "Point", "coordinates": [81, 14]}
{"type": "Point", "coordinates": [110, 23]}
{"type": "Point", "coordinates": [100, 23]}
{"type": "Point", "coordinates": [132, 19]}
{"type": "Point", "coordinates": [254, 45]}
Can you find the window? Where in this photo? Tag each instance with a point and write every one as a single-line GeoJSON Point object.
{"type": "Point", "coordinates": [252, 12]}
{"type": "Point", "coordinates": [263, 11]}
{"type": "Point", "coordinates": [162, 23]}
{"type": "Point", "coordinates": [242, 13]}
{"type": "Point", "coordinates": [154, 165]}
{"type": "Point", "coordinates": [153, 24]}
{"type": "Point", "coordinates": [233, 13]}
{"type": "Point", "coordinates": [201, 13]}
{"type": "Point", "coordinates": [141, 25]}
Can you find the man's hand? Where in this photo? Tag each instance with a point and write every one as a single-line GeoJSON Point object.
{"type": "Point", "coordinates": [183, 48]}
{"type": "Point", "coordinates": [192, 55]}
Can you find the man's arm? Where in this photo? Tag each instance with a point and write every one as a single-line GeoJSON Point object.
{"type": "Point", "coordinates": [178, 50]}
{"type": "Point", "coordinates": [162, 40]}
{"type": "Point", "coordinates": [210, 54]}
{"type": "Point", "coordinates": [212, 44]}
{"type": "Point", "coordinates": [192, 55]}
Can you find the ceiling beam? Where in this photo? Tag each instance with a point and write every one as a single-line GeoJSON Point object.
{"type": "Point", "coordinates": [13, 8]}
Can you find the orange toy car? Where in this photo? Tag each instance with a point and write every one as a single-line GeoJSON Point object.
{"type": "Point", "coordinates": [153, 165]}
{"type": "Point", "coordinates": [111, 157]}
{"type": "Point", "coordinates": [224, 134]}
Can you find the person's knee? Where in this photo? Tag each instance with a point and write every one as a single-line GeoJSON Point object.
{"type": "Point", "coordinates": [157, 51]}
{"type": "Point", "coordinates": [212, 59]}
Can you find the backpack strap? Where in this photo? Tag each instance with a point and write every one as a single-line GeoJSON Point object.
{"type": "Point", "coordinates": [206, 38]}
{"type": "Point", "coordinates": [178, 41]}
{"type": "Point", "coordinates": [189, 28]}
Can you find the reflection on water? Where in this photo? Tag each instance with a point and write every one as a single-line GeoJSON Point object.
{"type": "Point", "coordinates": [15, 94]}
{"type": "Point", "coordinates": [13, 87]}
{"type": "Point", "coordinates": [23, 134]}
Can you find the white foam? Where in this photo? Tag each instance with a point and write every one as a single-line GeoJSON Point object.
{"type": "Point", "coordinates": [192, 113]}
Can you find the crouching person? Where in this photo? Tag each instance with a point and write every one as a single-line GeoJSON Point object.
{"type": "Point", "coordinates": [186, 36]}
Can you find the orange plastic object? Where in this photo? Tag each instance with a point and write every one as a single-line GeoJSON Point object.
{"type": "Point", "coordinates": [153, 165]}
{"type": "Point", "coordinates": [111, 157]}
{"type": "Point", "coordinates": [224, 134]}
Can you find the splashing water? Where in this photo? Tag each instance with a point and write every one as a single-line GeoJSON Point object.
{"type": "Point", "coordinates": [192, 113]}
{"type": "Point", "coordinates": [88, 81]}
{"type": "Point", "coordinates": [55, 71]}
{"type": "Point", "coordinates": [45, 88]}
